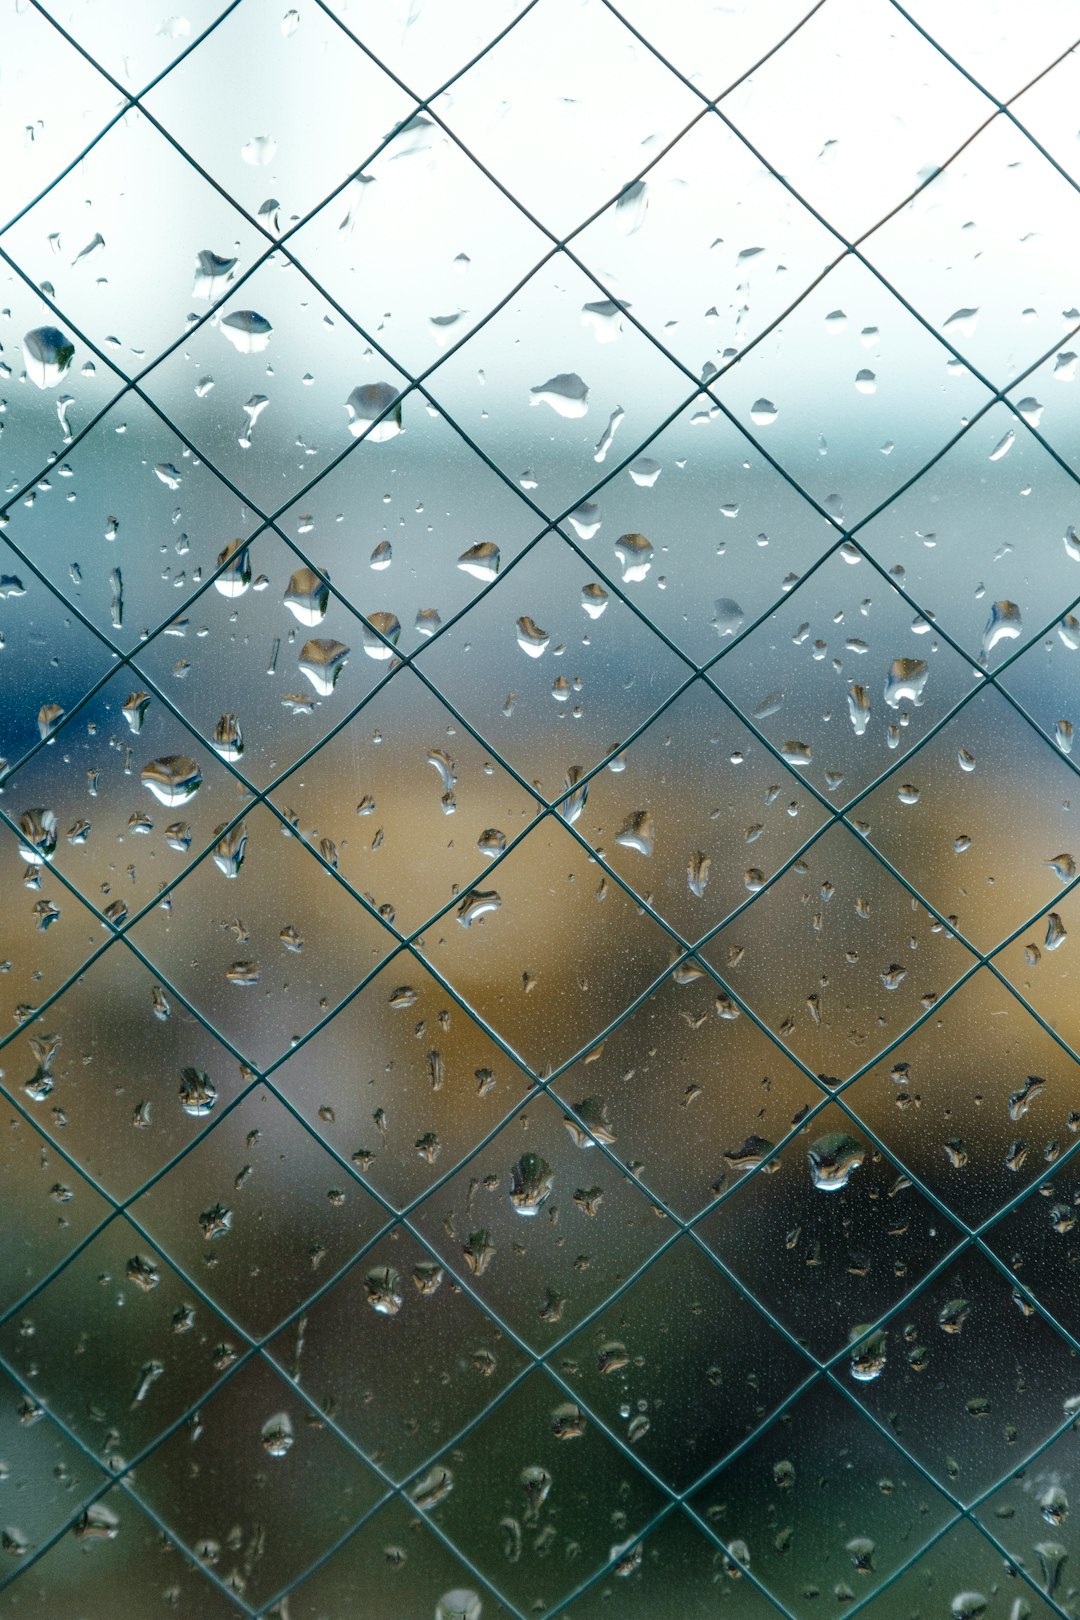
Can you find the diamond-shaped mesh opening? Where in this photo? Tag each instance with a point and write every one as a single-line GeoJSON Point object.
{"type": "Point", "coordinates": [583, 1123]}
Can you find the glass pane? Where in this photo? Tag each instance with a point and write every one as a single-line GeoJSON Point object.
{"type": "Point", "coordinates": [538, 603]}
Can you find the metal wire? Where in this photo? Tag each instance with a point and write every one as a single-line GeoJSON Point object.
{"type": "Point", "coordinates": [706, 675]}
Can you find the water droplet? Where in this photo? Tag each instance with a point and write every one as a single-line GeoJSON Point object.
{"type": "Point", "coordinates": [247, 331]}
{"type": "Point", "coordinates": [763, 412]}
{"type": "Point", "coordinates": [637, 832]}
{"type": "Point", "coordinates": [476, 904]}
{"type": "Point", "coordinates": [586, 519]}
{"type": "Point", "coordinates": [277, 1435]}
{"type": "Point", "coordinates": [833, 1158]}
{"type": "Point", "coordinates": [381, 557]}
{"type": "Point", "coordinates": [594, 599]}
{"type": "Point", "coordinates": [228, 739]}
{"type": "Point", "coordinates": [566, 393]}
{"type": "Point", "coordinates": [491, 842]}
{"type": "Point", "coordinates": [1004, 624]}
{"type": "Point", "coordinates": [307, 596]}
{"type": "Point", "coordinates": [859, 708]}
{"type": "Point", "coordinates": [953, 1314]}
{"type": "Point", "coordinates": [1003, 446]}
{"type": "Point", "coordinates": [635, 555]}
{"type": "Point", "coordinates": [235, 564]}
{"type": "Point", "coordinates": [372, 401]}
{"type": "Point", "coordinates": [198, 1093]}
{"type": "Point", "coordinates": [631, 206]}
{"type": "Point", "coordinates": [230, 849]}
{"type": "Point", "coordinates": [384, 1291]}
{"type": "Point", "coordinates": [644, 471]}
{"type": "Point", "coordinates": [461, 1603]}
{"type": "Point", "coordinates": [697, 873]}
{"type": "Point", "coordinates": [867, 1363]}
{"type": "Point", "coordinates": [531, 1181]}
{"type": "Point", "coordinates": [866, 382]}
{"type": "Point", "coordinates": [212, 274]}
{"type": "Point", "coordinates": [591, 1124]}
{"type": "Point", "coordinates": [434, 1488]}
{"type": "Point", "coordinates": [1055, 932]}
{"type": "Point", "coordinates": [968, 1606]}
{"type": "Point", "coordinates": [727, 616]}
{"type": "Point", "coordinates": [173, 779]}
{"type": "Point", "coordinates": [259, 151]}
{"type": "Point", "coordinates": [322, 662]}
{"type": "Point", "coordinates": [568, 1421]}
{"type": "Point", "coordinates": [905, 681]}
{"type": "Point", "coordinates": [481, 561]}
{"type": "Point", "coordinates": [1063, 735]}
{"type": "Point", "coordinates": [530, 638]}
{"type": "Point", "coordinates": [797, 753]}
{"type": "Point", "coordinates": [48, 354]}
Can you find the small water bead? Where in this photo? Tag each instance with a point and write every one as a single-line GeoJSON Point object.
{"type": "Point", "coordinates": [594, 600]}
{"type": "Point", "coordinates": [381, 557]}
{"type": "Point", "coordinates": [763, 412]}
{"type": "Point", "coordinates": [1056, 934]}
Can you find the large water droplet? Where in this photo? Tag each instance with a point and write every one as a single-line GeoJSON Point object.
{"type": "Point", "coordinates": [566, 393]}
{"type": "Point", "coordinates": [322, 662]}
{"type": "Point", "coordinates": [1004, 624]}
{"type": "Point", "coordinates": [833, 1159]}
{"type": "Point", "coordinates": [307, 596]}
{"type": "Point", "coordinates": [173, 779]}
{"type": "Point", "coordinates": [247, 331]}
{"type": "Point", "coordinates": [369, 402]}
{"type": "Point", "coordinates": [47, 354]}
{"type": "Point", "coordinates": [481, 561]}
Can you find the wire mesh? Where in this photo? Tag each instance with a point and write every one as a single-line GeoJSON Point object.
{"type": "Point", "coordinates": [407, 944]}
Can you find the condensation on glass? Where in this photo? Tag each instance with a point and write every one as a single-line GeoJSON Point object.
{"type": "Point", "coordinates": [539, 577]}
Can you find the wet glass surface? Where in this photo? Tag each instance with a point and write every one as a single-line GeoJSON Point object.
{"type": "Point", "coordinates": [539, 593]}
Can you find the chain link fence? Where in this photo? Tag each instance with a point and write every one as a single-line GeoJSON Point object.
{"type": "Point", "coordinates": [657, 1518]}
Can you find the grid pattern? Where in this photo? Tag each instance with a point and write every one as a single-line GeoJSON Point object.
{"type": "Point", "coordinates": [407, 946]}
